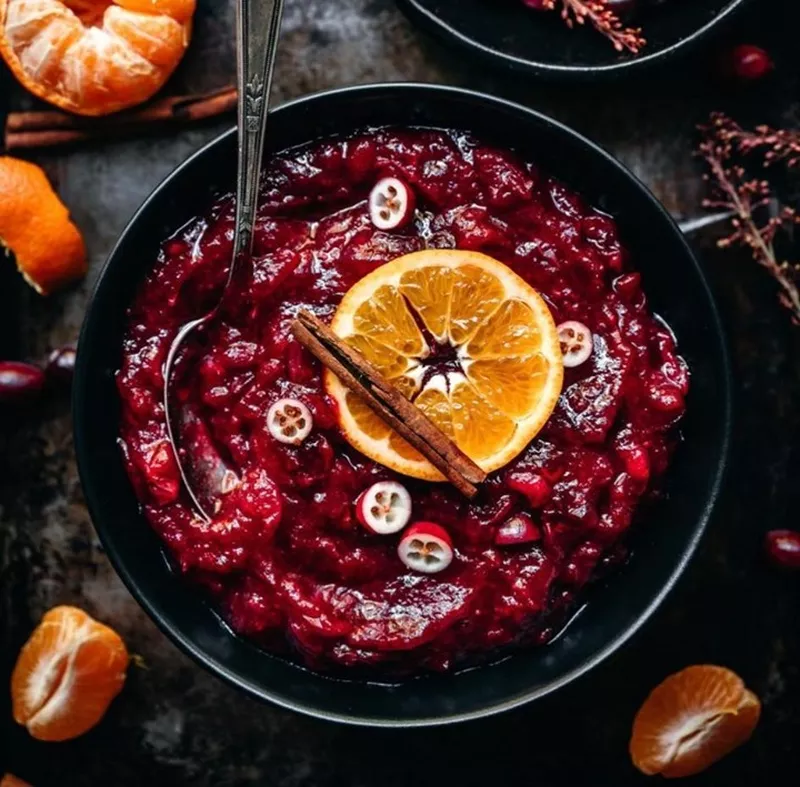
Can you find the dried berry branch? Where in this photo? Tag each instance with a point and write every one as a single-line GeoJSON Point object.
{"type": "Point", "coordinates": [603, 19]}
{"type": "Point", "coordinates": [732, 189]}
{"type": "Point", "coordinates": [777, 145]}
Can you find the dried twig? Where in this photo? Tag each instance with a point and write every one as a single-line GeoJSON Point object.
{"type": "Point", "coordinates": [777, 145]}
{"type": "Point", "coordinates": [732, 189]}
{"type": "Point", "coordinates": [602, 18]}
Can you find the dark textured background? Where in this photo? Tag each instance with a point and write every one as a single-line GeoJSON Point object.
{"type": "Point", "coordinates": [176, 725]}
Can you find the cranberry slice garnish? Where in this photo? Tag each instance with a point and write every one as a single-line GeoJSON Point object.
{"type": "Point", "coordinates": [289, 421]}
{"type": "Point", "coordinates": [426, 547]}
{"type": "Point", "coordinates": [576, 342]}
{"type": "Point", "coordinates": [391, 204]}
{"type": "Point", "coordinates": [384, 508]}
{"type": "Point", "coordinates": [518, 529]}
{"type": "Point", "coordinates": [783, 548]}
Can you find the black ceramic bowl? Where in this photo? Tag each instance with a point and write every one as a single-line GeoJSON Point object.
{"type": "Point", "coordinates": [665, 540]}
{"type": "Point", "coordinates": [508, 33]}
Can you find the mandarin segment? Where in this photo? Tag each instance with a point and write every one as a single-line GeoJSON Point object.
{"type": "Point", "coordinates": [691, 720]}
{"type": "Point", "coordinates": [94, 57]}
{"type": "Point", "coordinates": [181, 10]}
{"type": "Point", "coordinates": [154, 38]}
{"type": "Point", "coordinates": [388, 361]}
{"type": "Point", "coordinates": [428, 290]}
{"type": "Point", "coordinates": [476, 294]}
{"type": "Point", "coordinates": [436, 405]}
{"type": "Point", "coordinates": [36, 228]}
{"type": "Point", "coordinates": [513, 385]}
{"type": "Point", "coordinates": [513, 330]}
{"type": "Point", "coordinates": [404, 449]}
{"type": "Point", "coordinates": [480, 429]}
{"type": "Point", "coordinates": [385, 318]}
{"type": "Point", "coordinates": [370, 423]}
{"type": "Point", "coordinates": [67, 674]}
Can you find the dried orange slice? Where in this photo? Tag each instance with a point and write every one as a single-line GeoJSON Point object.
{"type": "Point", "coordinates": [467, 340]}
{"type": "Point", "coordinates": [691, 720]}
{"type": "Point", "coordinates": [35, 227]}
{"type": "Point", "coordinates": [67, 674]}
{"type": "Point", "coordinates": [94, 57]}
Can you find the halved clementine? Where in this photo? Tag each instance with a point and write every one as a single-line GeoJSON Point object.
{"type": "Point", "coordinates": [94, 57]}
{"type": "Point", "coordinates": [467, 340]}
{"type": "Point", "coordinates": [36, 228]}
{"type": "Point", "coordinates": [67, 674]}
{"type": "Point", "coordinates": [692, 720]}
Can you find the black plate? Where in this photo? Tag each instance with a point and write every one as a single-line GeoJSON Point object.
{"type": "Point", "coordinates": [508, 33]}
{"type": "Point", "coordinates": [665, 541]}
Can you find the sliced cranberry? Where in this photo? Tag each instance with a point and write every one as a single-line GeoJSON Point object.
{"type": "Point", "coordinates": [20, 382]}
{"type": "Point", "coordinates": [384, 508]}
{"type": "Point", "coordinates": [391, 204]}
{"type": "Point", "coordinates": [576, 342]}
{"type": "Point", "coordinates": [426, 547]}
{"type": "Point", "coordinates": [518, 529]}
{"type": "Point", "coordinates": [783, 548]}
{"type": "Point", "coordinates": [289, 421]}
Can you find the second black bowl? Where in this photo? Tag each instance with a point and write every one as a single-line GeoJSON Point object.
{"type": "Point", "coordinates": [510, 34]}
{"type": "Point", "coordinates": [664, 542]}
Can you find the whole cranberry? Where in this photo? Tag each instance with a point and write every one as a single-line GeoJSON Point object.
{"type": "Point", "coordinates": [783, 548]}
{"type": "Point", "coordinates": [20, 382]}
{"type": "Point", "coordinates": [750, 62]}
{"type": "Point", "coordinates": [61, 365]}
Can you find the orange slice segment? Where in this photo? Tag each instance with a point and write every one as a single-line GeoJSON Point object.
{"type": "Point", "coordinates": [504, 367]}
{"type": "Point", "coordinates": [36, 228]}
{"type": "Point", "coordinates": [94, 57]}
{"type": "Point", "coordinates": [66, 675]}
{"type": "Point", "coordinates": [691, 720]}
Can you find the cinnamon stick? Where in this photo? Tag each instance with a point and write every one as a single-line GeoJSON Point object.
{"type": "Point", "coordinates": [364, 379]}
{"type": "Point", "coordinates": [51, 128]}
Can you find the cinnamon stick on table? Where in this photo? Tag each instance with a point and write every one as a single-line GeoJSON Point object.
{"type": "Point", "coordinates": [364, 379]}
{"type": "Point", "coordinates": [49, 128]}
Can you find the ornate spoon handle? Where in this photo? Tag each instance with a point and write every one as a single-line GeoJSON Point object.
{"type": "Point", "coordinates": [258, 25]}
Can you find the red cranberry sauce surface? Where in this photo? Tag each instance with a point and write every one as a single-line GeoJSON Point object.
{"type": "Point", "coordinates": [285, 558]}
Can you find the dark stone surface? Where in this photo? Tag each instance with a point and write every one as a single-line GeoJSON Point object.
{"type": "Point", "coordinates": [175, 724]}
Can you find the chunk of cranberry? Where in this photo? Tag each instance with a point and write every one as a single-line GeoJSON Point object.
{"type": "Point", "coordinates": [533, 485]}
{"type": "Point", "coordinates": [518, 529]}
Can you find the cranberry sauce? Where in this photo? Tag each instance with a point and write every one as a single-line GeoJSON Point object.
{"type": "Point", "coordinates": [285, 558]}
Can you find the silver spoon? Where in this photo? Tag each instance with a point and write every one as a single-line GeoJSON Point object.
{"type": "Point", "coordinates": [258, 25]}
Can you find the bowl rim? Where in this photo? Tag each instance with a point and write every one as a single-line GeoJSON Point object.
{"type": "Point", "coordinates": [216, 667]}
{"type": "Point", "coordinates": [418, 12]}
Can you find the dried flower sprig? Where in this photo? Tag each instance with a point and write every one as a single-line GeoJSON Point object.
{"type": "Point", "coordinates": [602, 18]}
{"type": "Point", "coordinates": [733, 189]}
{"type": "Point", "coordinates": [777, 145]}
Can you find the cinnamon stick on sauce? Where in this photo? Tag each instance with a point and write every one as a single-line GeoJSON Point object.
{"type": "Point", "coordinates": [364, 379]}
